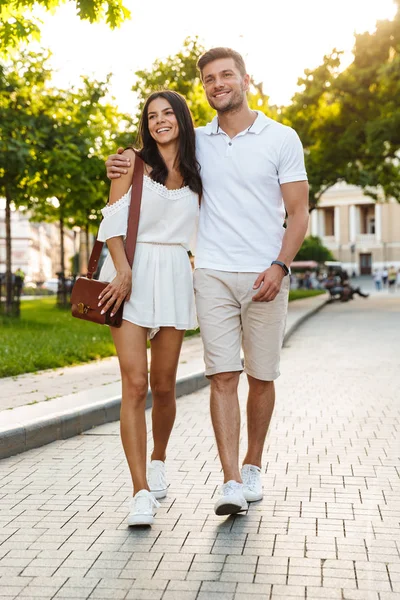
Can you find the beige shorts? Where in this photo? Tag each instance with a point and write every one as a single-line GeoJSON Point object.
{"type": "Point", "coordinates": [229, 319]}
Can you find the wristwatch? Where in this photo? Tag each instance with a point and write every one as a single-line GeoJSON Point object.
{"type": "Point", "coordinates": [282, 266]}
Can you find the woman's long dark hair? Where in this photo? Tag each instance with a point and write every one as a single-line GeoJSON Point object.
{"type": "Point", "coordinates": [186, 159]}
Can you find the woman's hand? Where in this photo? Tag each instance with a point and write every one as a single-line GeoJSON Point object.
{"type": "Point", "coordinates": [116, 292]}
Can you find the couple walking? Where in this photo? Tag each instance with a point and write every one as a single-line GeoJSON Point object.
{"type": "Point", "coordinates": [239, 175]}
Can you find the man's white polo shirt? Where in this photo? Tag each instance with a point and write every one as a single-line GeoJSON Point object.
{"type": "Point", "coordinates": [242, 211]}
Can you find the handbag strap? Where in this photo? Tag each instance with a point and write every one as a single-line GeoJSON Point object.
{"type": "Point", "coordinates": [133, 221]}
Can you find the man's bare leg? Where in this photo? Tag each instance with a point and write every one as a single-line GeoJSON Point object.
{"type": "Point", "coordinates": [260, 406]}
{"type": "Point", "coordinates": [225, 416]}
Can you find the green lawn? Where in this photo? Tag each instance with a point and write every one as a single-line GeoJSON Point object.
{"type": "Point", "coordinates": [300, 294]}
{"type": "Point", "coordinates": [46, 337]}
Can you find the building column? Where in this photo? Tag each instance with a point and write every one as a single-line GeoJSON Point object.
{"type": "Point", "coordinates": [352, 223]}
{"type": "Point", "coordinates": [378, 222]}
{"type": "Point", "coordinates": [321, 223]}
{"type": "Point", "coordinates": [314, 222]}
{"type": "Point", "coordinates": [336, 224]}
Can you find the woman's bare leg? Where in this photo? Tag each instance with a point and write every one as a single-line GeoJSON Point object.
{"type": "Point", "coordinates": [165, 350]}
{"type": "Point", "coordinates": [131, 343]}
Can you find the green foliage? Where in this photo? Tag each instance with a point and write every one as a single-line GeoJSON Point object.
{"type": "Point", "coordinates": [18, 25]}
{"type": "Point", "coordinates": [22, 86]}
{"type": "Point", "coordinates": [79, 132]}
{"type": "Point", "coordinates": [313, 113]}
{"type": "Point", "coordinates": [52, 147]}
{"type": "Point", "coordinates": [313, 249]}
{"type": "Point", "coordinates": [349, 121]}
{"type": "Point", "coordinates": [370, 100]}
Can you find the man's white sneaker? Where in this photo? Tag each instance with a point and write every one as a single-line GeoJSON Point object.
{"type": "Point", "coordinates": [231, 500]}
{"type": "Point", "coordinates": [252, 486]}
{"type": "Point", "coordinates": [157, 479]}
{"type": "Point", "coordinates": [142, 508]}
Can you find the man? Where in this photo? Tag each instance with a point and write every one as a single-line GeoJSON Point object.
{"type": "Point", "coordinates": [252, 169]}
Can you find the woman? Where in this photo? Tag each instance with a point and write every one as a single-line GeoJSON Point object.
{"type": "Point", "coordinates": [158, 290]}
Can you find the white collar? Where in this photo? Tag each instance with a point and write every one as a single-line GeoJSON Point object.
{"type": "Point", "coordinates": [259, 124]}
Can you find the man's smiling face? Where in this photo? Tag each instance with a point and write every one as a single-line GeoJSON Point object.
{"type": "Point", "coordinates": [224, 85]}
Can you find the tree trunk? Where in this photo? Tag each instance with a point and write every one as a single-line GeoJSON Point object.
{"type": "Point", "coordinates": [62, 291]}
{"type": "Point", "coordinates": [62, 259]}
{"type": "Point", "coordinates": [87, 244]}
{"type": "Point", "coordinates": [9, 286]}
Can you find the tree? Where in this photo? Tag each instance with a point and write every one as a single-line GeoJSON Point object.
{"type": "Point", "coordinates": [80, 130]}
{"type": "Point", "coordinates": [349, 121]}
{"type": "Point", "coordinates": [313, 249]}
{"type": "Point", "coordinates": [369, 98]}
{"type": "Point", "coordinates": [22, 85]}
{"type": "Point", "coordinates": [313, 113]}
{"type": "Point", "coordinates": [52, 148]}
{"type": "Point", "coordinates": [17, 27]}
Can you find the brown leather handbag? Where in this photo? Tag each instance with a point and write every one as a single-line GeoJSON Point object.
{"type": "Point", "coordinates": [86, 290]}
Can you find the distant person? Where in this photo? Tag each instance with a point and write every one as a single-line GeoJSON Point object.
{"type": "Point", "coordinates": [307, 280]}
{"type": "Point", "coordinates": [333, 284]}
{"type": "Point", "coordinates": [20, 273]}
{"type": "Point", "coordinates": [392, 277]}
{"type": "Point", "coordinates": [349, 291]}
{"type": "Point", "coordinates": [343, 289]}
{"type": "Point", "coordinates": [378, 279]}
{"type": "Point", "coordinates": [385, 275]}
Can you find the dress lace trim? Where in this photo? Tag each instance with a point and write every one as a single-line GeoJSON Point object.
{"type": "Point", "coordinates": [159, 188]}
{"type": "Point", "coordinates": [111, 209]}
{"type": "Point", "coordinates": [164, 191]}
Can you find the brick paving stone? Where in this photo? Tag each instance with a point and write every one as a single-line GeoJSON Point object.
{"type": "Point", "coordinates": [107, 593]}
{"type": "Point", "coordinates": [172, 595]}
{"type": "Point", "coordinates": [319, 593]}
{"type": "Point", "coordinates": [330, 514]}
{"type": "Point", "coordinates": [254, 590]}
{"type": "Point", "coordinates": [216, 596]}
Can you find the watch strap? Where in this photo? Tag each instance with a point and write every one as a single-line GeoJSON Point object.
{"type": "Point", "coordinates": [282, 266]}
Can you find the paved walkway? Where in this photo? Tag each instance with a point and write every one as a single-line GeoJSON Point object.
{"type": "Point", "coordinates": [327, 528]}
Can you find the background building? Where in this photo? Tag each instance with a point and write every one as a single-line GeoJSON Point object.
{"type": "Point", "coordinates": [35, 247]}
{"type": "Point", "coordinates": [361, 233]}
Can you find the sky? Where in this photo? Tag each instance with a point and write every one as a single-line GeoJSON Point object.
{"type": "Point", "coordinates": [278, 38]}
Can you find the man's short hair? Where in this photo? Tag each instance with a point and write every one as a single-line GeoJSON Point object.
{"type": "Point", "coordinates": [216, 53]}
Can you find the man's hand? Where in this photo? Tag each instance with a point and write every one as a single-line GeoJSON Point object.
{"type": "Point", "coordinates": [117, 164]}
{"type": "Point", "coordinates": [116, 292]}
{"type": "Point", "coordinates": [270, 281]}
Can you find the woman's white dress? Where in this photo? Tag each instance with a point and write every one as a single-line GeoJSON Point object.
{"type": "Point", "coordinates": [162, 283]}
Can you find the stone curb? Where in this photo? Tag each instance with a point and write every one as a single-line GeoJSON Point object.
{"type": "Point", "coordinates": [74, 422]}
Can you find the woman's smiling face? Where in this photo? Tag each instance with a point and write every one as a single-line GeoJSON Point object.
{"type": "Point", "coordinates": [162, 122]}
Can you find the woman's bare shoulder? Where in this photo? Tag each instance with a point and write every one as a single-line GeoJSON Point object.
{"type": "Point", "coordinates": [120, 186]}
{"type": "Point", "coordinates": [131, 154]}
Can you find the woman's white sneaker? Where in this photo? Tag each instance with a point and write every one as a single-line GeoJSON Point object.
{"type": "Point", "coordinates": [157, 479]}
{"type": "Point", "coordinates": [142, 509]}
{"type": "Point", "coordinates": [252, 486]}
{"type": "Point", "coordinates": [231, 500]}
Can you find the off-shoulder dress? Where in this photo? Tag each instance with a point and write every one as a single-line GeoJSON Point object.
{"type": "Point", "coordinates": [162, 283]}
